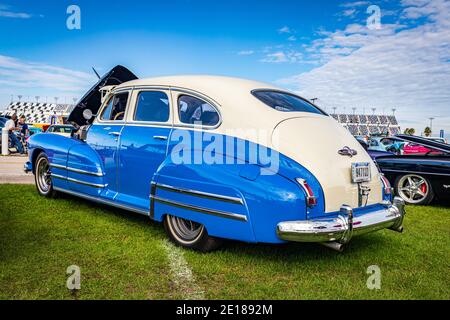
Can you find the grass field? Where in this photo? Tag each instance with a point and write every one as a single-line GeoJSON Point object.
{"type": "Point", "coordinates": [124, 255]}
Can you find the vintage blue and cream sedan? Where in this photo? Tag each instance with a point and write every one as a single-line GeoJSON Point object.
{"type": "Point", "coordinates": [177, 149]}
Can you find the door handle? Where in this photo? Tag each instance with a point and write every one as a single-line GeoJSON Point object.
{"type": "Point", "coordinates": [160, 137]}
{"type": "Point", "coordinates": [116, 134]}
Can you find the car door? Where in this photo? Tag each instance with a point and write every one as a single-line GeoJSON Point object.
{"type": "Point", "coordinates": [143, 146]}
{"type": "Point", "coordinates": [103, 137]}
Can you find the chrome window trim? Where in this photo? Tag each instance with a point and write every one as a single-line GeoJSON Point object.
{"type": "Point", "coordinates": [167, 123]}
{"type": "Point", "coordinates": [94, 185]}
{"type": "Point", "coordinates": [200, 97]}
{"type": "Point", "coordinates": [187, 91]}
{"type": "Point", "coordinates": [96, 174]}
{"type": "Point", "coordinates": [217, 213]}
{"type": "Point", "coordinates": [112, 94]}
{"type": "Point", "coordinates": [207, 195]}
{"type": "Point", "coordinates": [102, 201]}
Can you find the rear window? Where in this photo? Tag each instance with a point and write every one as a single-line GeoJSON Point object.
{"type": "Point", "coordinates": [285, 102]}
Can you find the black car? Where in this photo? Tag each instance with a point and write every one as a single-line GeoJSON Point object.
{"type": "Point", "coordinates": [419, 179]}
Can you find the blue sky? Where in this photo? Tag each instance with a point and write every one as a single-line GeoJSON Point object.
{"type": "Point", "coordinates": [319, 48]}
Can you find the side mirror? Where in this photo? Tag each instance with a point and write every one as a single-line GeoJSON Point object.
{"type": "Point", "coordinates": [83, 132]}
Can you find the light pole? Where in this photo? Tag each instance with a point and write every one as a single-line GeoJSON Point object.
{"type": "Point", "coordinates": [56, 100]}
{"type": "Point", "coordinates": [393, 111]}
{"type": "Point", "coordinates": [20, 97]}
{"type": "Point", "coordinates": [354, 110]}
{"type": "Point", "coordinates": [373, 111]}
{"type": "Point", "coordinates": [334, 109]}
{"type": "Point", "coordinates": [313, 100]}
{"type": "Point", "coordinates": [37, 99]}
{"type": "Point", "coordinates": [431, 125]}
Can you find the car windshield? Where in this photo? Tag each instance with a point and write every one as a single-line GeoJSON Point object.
{"type": "Point", "coordinates": [285, 102]}
{"type": "Point", "coordinates": [62, 129]}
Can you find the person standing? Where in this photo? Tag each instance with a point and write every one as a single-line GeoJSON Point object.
{"type": "Point", "coordinates": [10, 125]}
{"type": "Point", "coordinates": [24, 130]}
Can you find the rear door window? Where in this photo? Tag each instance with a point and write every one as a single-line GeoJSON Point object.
{"type": "Point", "coordinates": [193, 110]}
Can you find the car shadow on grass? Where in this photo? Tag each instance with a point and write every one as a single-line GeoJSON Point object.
{"type": "Point", "coordinates": [129, 216]}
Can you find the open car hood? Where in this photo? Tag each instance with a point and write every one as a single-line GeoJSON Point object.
{"type": "Point", "coordinates": [430, 144]}
{"type": "Point", "coordinates": [92, 99]}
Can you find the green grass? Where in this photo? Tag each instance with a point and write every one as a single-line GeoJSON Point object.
{"type": "Point", "coordinates": [121, 255]}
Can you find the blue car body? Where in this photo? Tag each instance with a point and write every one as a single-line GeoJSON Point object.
{"type": "Point", "coordinates": [127, 165]}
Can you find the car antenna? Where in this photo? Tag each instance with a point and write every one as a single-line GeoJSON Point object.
{"type": "Point", "coordinates": [96, 73]}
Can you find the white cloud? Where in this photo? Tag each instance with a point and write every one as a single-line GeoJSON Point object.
{"type": "Point", "coordinates": [355, 4]}
{"type": "Point", "coordinates": [406, 66]}
{"type": "Point", "coordinates": [6, 12]}
{"type": "Point", "coordinates": [292, 38]}
{"type": "Point", "coordinates": [349, 13]}
{"type": "Point", "coordinates": [290, 56]}
{"type": "Point", "coordinates": [246, 52]}
{"type": "Point", "coordinates": [285, 29]}
{"type": "Point", "coordinates": [18, 76]}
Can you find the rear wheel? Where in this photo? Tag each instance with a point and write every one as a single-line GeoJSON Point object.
{"type": "Point", "coordinates": [42, 177]}
{"type": "Point", "coordinates": [414, 189]}
{"type": "Point", "coordinates": [189, 234]}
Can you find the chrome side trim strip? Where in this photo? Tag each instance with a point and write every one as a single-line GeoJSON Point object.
{"type": "Point", "coordinates": [202, 194]}
{"type": "Point", "coordinates": [216, 213]}
{"type": "Point", "coordinates": [95, 185]}
{"type": "Point", "coordinates": [416, 172]}
{"type": "Point", "coordinates": [89, 173]}
{"type": "Point", "coordinates": [102, 201]}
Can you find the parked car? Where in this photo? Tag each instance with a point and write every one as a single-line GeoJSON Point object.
{"type": "Point", "coordinates": [34, 130]}
{"type": "Point", "coordinates": [418, 149]}
{"type": "Point", "coordinates": [386, 144]}
{"type": "Point", "coordinates": [139, 153]}
{"type": "Point", "coordinates": [419, 179]}
{"type": "Point", "coordinates": [374, 154]}
{"type": "Point", "coordinates": [63, 130]}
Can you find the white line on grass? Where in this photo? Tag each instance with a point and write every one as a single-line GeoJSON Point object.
{"type": "Point", "coordinates": [182, 273]}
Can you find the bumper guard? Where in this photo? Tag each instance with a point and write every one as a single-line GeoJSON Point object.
{"type": "Point", "coordinates": [337, 231]}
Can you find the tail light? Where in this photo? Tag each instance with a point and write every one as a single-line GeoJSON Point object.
{"type": "Point", "coordinates": [311, 199]}
{"type": "Point", "coordinates": [386, 185]}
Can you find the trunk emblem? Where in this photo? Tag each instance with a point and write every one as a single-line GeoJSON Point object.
{"type": "Point", "coordinates": [346, 151]}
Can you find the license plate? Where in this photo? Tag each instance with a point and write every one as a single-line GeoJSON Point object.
{"type": "Point", "coordinates": [361, 172]}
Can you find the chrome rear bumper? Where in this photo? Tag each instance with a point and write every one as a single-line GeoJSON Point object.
{"type": "Point", "coordinates": [337, 231]}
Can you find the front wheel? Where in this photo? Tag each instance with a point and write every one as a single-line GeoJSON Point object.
{"type": "Point", "coordinates": [42, 177]}
{"type": "Point", "coordinates": [189, 234]}
{"type": "Point", "coordinates": [414, 189]}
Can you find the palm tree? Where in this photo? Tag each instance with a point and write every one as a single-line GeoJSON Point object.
{"type": "Point", "coordinates": [427, 132]}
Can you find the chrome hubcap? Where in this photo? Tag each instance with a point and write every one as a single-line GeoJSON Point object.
{"type": "Point", "coordinates": [43, 176]}
{"type": "Point", "coordinates": [413, 188]}
{"type": "Point", "coordinates": [187, 231]}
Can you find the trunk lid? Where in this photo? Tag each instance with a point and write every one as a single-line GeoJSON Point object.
{"type": "Point", "coordinates": [314, 141]}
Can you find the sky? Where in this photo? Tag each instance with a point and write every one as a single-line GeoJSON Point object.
{"type": "Point", "coordinates": [348, 54]}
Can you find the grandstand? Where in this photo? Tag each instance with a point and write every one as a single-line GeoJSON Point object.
{"type": "Point", "coordinates": [37, 113]}
{"type": "Point", "coordinates": [364, 125]}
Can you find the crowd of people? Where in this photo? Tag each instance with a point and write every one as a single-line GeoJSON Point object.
{"type": "Point", "coordinates": [18, 131]}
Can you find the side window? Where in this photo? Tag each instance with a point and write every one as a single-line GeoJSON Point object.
{"type": "Point", "coordinates": [192, 110]}
{"type": "Point", "coordinates": [116, 107]}
{"type": "Point", "coordinates": [152, 106]}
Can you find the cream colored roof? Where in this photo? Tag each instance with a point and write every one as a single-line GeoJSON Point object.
{"type": "Point", "coordinates": [202, 83]}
